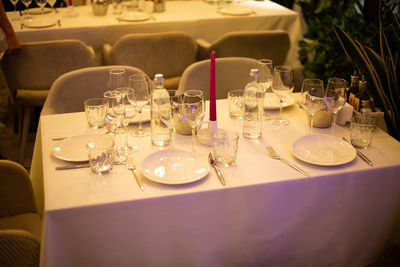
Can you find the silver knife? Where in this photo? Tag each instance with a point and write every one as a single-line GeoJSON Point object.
{"type": "Point", "coordinates": [361, 155]}
{"type": "Point", "coordinates": [69, 167]}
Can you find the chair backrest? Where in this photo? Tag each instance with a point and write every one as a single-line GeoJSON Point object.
{"type": "Point", "coordinates": [271, 44]}
{"type": "Point", "coordinates": [168, 53]}
{"type": "Point", "coordinates": [71, 89]}
{"type": "Point", "coordinates": [16, 193]}
{"type": "Point", "coordinates": [40, 63]}
{"type": "Point", "coordinates": [230, 73]}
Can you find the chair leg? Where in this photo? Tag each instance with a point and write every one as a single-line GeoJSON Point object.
{"type": "Point", "coordinates": [25, 131]}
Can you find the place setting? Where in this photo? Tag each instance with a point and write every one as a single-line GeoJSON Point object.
{"type": "Point", "coordinates": [41, 17]}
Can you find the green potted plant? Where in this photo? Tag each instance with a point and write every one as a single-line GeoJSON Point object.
{"type": "Point", "coordinates": [381, 69]}
{"type": "Point", "coordinates": [320, 52]}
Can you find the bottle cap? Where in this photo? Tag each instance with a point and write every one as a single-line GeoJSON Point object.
{"type": "Point", "coordinates": [254, 72]}
{"type": "Point", "coordinates": [158, 78]}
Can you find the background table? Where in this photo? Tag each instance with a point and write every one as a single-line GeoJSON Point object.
{"type": "Point", "coordinates": [267, 215]}
{"type": "Point", "coordinates": [197, 18]}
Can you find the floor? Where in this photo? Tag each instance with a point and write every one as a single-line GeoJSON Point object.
{"type": "Point", "coordinates": [9, 149]}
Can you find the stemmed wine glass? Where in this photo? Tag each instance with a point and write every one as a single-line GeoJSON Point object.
{"type": "Point", "coordinates": [41, 4]}
{"type": "Point", "coordinates": [14, 2]}
{"type": "Point", "coordinates": [129, 105]}
{"type": "Point", "coordinates": [282, 86]}
{"type": "Point", "coordinates": [334, 98]}
{"type": "Point", "coordinates": [52, 3]}
{"type": "Point", "coordinates": [140, 84]}
{"type": "Point", "coordinates": [114, 117]}
{"type": "Point", "coordinates": [312, 97]}
{"type": "Point", "coordinates": [193, 110]}
{"type": "Point", "coordinates": [27, 3]}
{"type": "Point", "coordinates": [116, 79]}
{"type": "Point", "coordinates": [265, 77]}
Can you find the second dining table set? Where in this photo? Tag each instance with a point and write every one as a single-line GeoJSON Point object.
{"type": "Point", "coordinates": [137, 99]}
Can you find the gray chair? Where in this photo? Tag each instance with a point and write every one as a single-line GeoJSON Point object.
{"type": "Point", "coordinates": [71, 89]}
{"type": "Point", "coordinates": [271, 44]}
{"type": "Point", "coordinates": [168, 53]}
{"type": "Point", "coordinates": [20, 224]}
{"type": "Point", "coordinates": [230, 73]}
{"type": "Point", "coordinates": [30, 74]}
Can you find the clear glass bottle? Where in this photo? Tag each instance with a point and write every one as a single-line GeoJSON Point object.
{"type": "Point", "coordinates": [253, 107]}
{"type": "Point", "coordinates": [160, 109]}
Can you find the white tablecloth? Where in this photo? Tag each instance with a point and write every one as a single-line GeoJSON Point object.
{"type": "Point", "coordinates": [197, 18]}
{"type": "Point", "coordinates": [267, 214]}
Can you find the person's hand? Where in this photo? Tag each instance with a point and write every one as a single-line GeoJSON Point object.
{"type": "Point", "coordinates": [14, 45]}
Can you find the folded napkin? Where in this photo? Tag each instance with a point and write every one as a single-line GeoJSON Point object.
{"type": "Point", "coordinates": [345, 114]}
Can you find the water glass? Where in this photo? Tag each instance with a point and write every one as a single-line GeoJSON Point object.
{"type": "Point", "coordinates": [101, 155]}
{"type": "Point", "coordinates": [282, 86]}
{"type": "Point", "coordinates": [235, 104]}
{"type": "Point", "coordinates": [225, 147]}
{"type": "Point", "coordinates": [362, 128]}
{"type": "Point", "coordinates": [96, 110]}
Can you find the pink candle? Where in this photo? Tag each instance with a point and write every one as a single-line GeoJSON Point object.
{"type": "Point", "coordinates": [213, 104]}
{"type": "Point", "coordinates": [70, 2]}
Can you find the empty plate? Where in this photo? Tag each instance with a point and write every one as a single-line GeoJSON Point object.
{"type": "Point", "coordinates": [38, 10]}
{"type": "Point", "coordinates": [74, 148]}
{"type": "Point", "coordinates": [134, 16]}
{"type": "Point", "coordinates": [271, 101]}
{"type": "Point", "coordinates": [324, 150]}
{"type": "Point", "coordinates": [175, 167]}
{"type": "Point", "coordinates": [39, 22]}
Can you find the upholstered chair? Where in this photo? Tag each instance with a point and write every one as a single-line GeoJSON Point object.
{"type": "Point", "coordinates": [20, 224]}
{"type": "Point", "coordinates": [30, 74]}
{"type": "Point", "coordinates": [168, 53]}
{"type": "Point", "coordinates": [271, 44]}
{"type": "Point", "coordinates": [230, 73]}
{"type": "Point", "coordinates": [71, 89]}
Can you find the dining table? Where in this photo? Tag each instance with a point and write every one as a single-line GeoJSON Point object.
{"type": "Point", "coordinates": [200, 19]}
{"type": "Point", "coordinates": [267, 214]}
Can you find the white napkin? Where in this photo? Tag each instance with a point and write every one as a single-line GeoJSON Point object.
{"type": "Point", "coordinates": [345, 114]}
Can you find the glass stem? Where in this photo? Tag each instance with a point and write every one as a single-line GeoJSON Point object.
{"type": "Point", "coordinates": [311, 122]}
{"type": "Point", "coordinates": [140, 120]}
{"type": "Point", "coordinates": [333, 124]}
{"type": "Point", "coordinates": [126, 136]}
{"type": "Point", "coordinates": [280, 108]}
{"type": "Point", "coordinates": [193, 138]}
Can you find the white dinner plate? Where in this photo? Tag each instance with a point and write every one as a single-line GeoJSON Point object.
{"type": "Point", "coordinates": [39, 22]}
{"type": "Point", "coordinates": [271, 101]}
{"type": "Point", "coordinates": [38, 10]}
{"type": "Point", "coordinates": [324, 150]}
{"type": "Point", "coordinates": [134, 16]}
{"type": "Point", "coordinates": [74, 148]}
{"type": "Point", "coordinates": [175, 167]}
{"type": "Point", "coordinates": [236, 10]}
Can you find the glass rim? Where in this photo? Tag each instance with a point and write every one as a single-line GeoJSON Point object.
{"type": "Point", "coordinates": [100, 99]}
{"type": "Point", "coordinates": [283, 68]}
{"type": "Point", "coordinates": [265, 60]}
{"type": "Point", "coordinates": [117, 71]}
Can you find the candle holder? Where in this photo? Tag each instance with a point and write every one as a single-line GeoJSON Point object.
{"type": "Point", "coordinates": [205, 130]}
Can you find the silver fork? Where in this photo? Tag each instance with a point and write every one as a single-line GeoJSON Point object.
{"type": "Point", "coordinates": [272, 153]}
{"type": "Point", "coordinates": [130, 165]}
